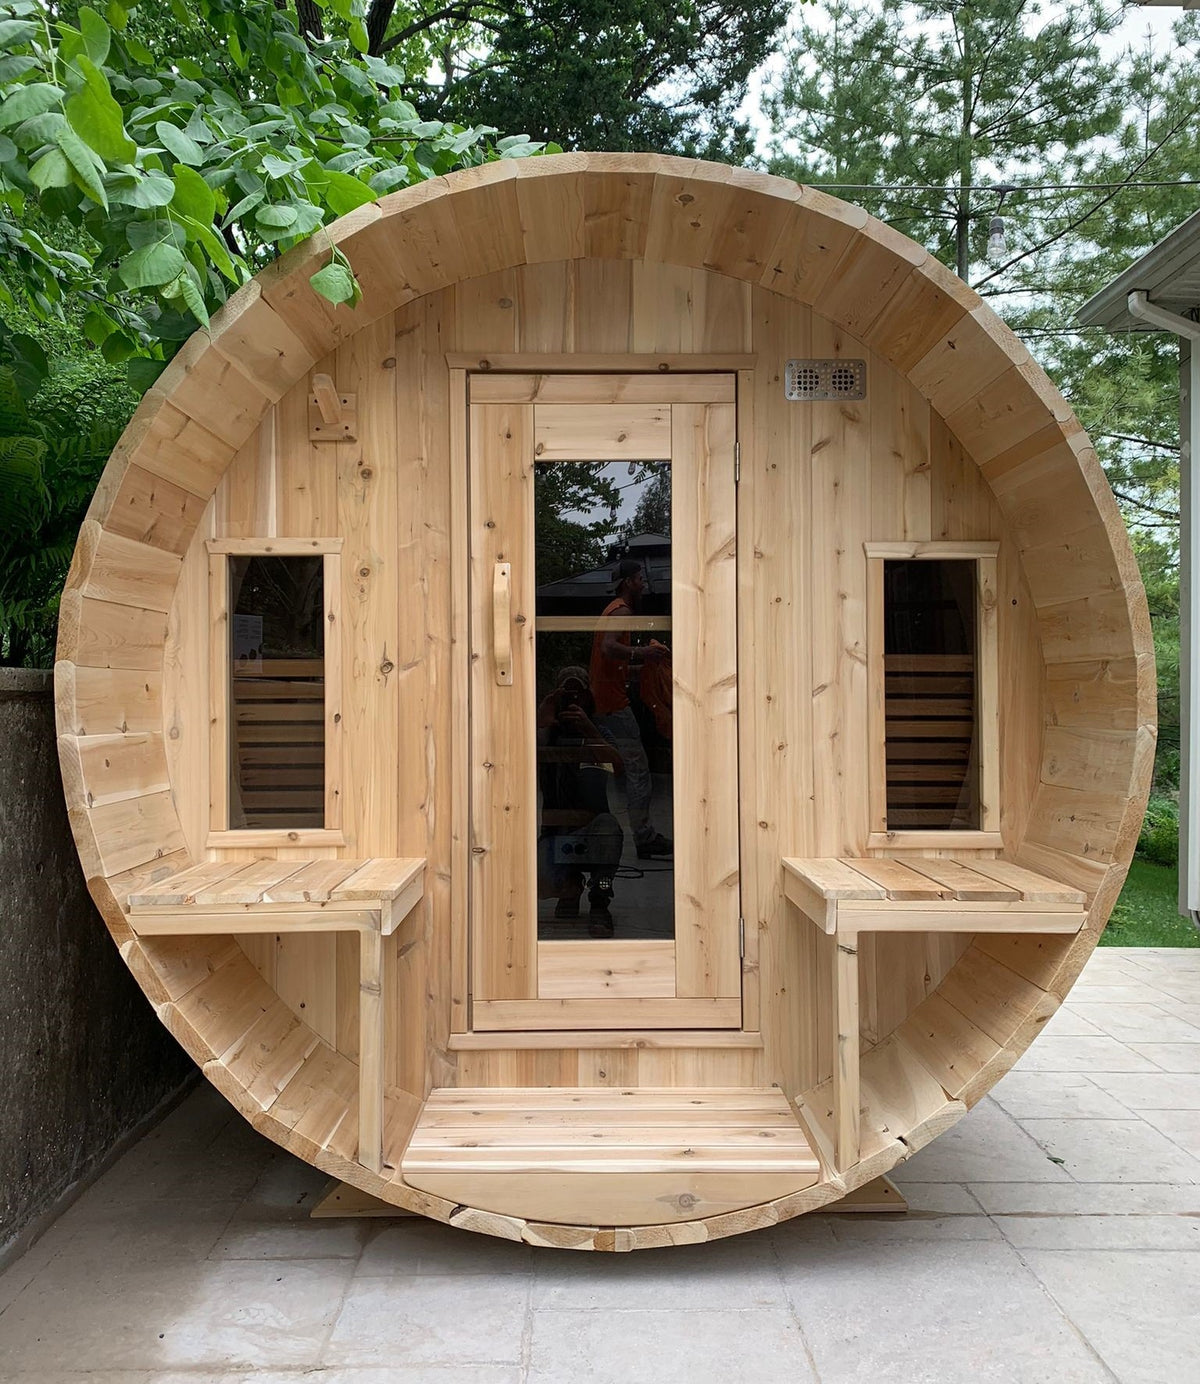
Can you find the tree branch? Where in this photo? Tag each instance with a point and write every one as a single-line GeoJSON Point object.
{"type": "Point", "coordinates": [308, 17]}
{"type": "Point", "coordinates": [1171, 516]}
{"type": "Point", "coordinates": [464, 14]}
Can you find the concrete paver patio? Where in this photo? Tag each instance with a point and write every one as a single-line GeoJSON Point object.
{"type": "Point", "coordinates": [1053, 1238]}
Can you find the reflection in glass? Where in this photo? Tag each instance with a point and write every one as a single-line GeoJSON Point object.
{"type": "Point", "coordinates": [929, 682]}
{"type": "Point", "coordinates": [604, 688]}
{"type": "Point", "coordinates": [277, 692]}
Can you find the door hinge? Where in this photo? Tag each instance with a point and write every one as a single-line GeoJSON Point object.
{"type": "Point", "coordinates": [737, 462]}
{"type": "Point", "coordinates": [742, 938]}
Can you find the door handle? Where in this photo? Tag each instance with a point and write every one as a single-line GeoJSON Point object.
{"type": "Point", "coordinates": [502, 622]}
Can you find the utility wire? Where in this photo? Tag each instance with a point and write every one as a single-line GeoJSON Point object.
{"type": "Point", "coordinates": [1006, 188]}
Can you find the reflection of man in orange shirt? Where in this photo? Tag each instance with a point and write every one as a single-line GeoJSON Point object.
{"type": "Point", "coordinates": [615, 659]}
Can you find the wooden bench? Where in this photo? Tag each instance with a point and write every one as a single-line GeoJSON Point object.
{"type": "Point", "coordinates": [607, 1155]}
{"type": "Point", "coordinates": [844, 897]}
{"type": "Point", "coordinates": [370, 897]}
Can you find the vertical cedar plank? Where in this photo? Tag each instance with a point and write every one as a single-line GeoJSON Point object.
{"type": "Point", "coordinates": [367, 486]}
{"type": "Point", "coordinates": [844, 951]}
{"type": "Point", "coordinates": [503, 770]}
{"type": "Point", "coordinates": [777, 769]}
{"type": "Point", "coordinates": [747, 665]}
{"type": "Point", "coordinates": [370, 1050]}
{"type": "Point", "coordinates": [419, 995]}
{"type": "Point", "coordinates": [185, 703]}
{"type": "Point", "coordinates": [704, 655]}
{"type": "Point", "coordinates": [839, 514]}
{"type": "Point", "coordinates": [218, 691]}
{"type": "Point", "coordinates": [460, 679]}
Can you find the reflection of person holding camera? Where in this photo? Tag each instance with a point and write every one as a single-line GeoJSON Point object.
{"type": "Point", "coordinates": [615, 660]}
{"type": "Point", "coordinates": [580, 836]}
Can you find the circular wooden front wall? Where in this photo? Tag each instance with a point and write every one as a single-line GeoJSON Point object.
{"type": "Point", "coordinates": [1094, 707]}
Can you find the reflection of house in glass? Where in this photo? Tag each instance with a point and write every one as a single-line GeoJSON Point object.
{"type": "Point", "coordinates": [587, 593]}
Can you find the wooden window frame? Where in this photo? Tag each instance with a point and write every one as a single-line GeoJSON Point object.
{"type": "Point", "coordinates": [220, 834]}
{"type": "Point", "coordinates": [987, 692]}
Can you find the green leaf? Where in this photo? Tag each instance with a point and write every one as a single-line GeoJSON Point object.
{"type": "Point", "coordinates": [345, 192]}
{"type": "Point", "coordinates": [358, 35]}
{"type": "Point", "coordinates": [276, 167]}
{"type": "Point", "coordinates": [14, 31]}
{"type": "Point", "coordinates": [192, 296]}
{"type": "Point", "coordinates": [136, 189]}
{"type": "Point", "coordinates": [35, 98]}
{"type": "Point", "coordinates": [152, 266]}
{"type": "Point", "coordinates": [8, 150]}
{"type": "Point", "coordinates": [193, 196]}
{"type": "Point", "coordinates": [139, 234]}
{"type": "Point", "coordinates": [42, 129]}
{"type": "Point", "coordinates": [15, 66]}
{"type": "Point", "coordinates": [389, 179]}
{"type": "Point", "coordinates": [117, 347]}
{"type": "Point", "coordinates": [97, 328]}
{"type": "Point", "coordinates": [190, 69]}
{"type": "Point", "coordinates": [248, 203]}
{"type": "Point", "coordinates": [30, 364]}
{"type": "Point", "coordinates": [24, 495]}
{"type": "Point", "coordinates": [85, 164]}
{"type": "Point", "coordinates": [96, 117]}
{"type": "Point", "coordinates": [336, 283]}
{"type": "Point", "coordinates": [118, 15]}
{"type": "Point", "coordinates": [96, 34]}
{"type": "Point", "coordinates": [214, 247]}
{"type": "Point", "coordinates": [181, 145]}
{"type": "Point", "coordinates": [141, 372]}
{"type": "Point", "coordinates": [139, 52]}
{"type": "Point", "coordinates": [53, 169]}
{"type": "Point", "coordinates": [275, 217]}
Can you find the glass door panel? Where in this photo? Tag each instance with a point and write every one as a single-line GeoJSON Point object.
{"type": "Point", "coordinates": [604, 887]}
{"type": "Point", "coordinates": [604, 691]}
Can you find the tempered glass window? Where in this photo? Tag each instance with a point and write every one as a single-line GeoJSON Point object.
{"type": "Point", "coordinates": [604, 697]}
{"type": "Point", "coordinates": [277, 692]}
{"type": "Point", "coordinates": [931, 707]}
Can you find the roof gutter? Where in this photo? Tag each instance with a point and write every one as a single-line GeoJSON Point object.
{"type": "Point", "coordinates": [1142, 308]}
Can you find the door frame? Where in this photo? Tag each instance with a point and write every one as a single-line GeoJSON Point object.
{"type": "Point", "coordinates": [695, 1021]}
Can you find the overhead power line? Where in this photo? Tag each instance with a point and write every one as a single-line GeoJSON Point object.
{"type": "Point", "coordinates": [998, 187]}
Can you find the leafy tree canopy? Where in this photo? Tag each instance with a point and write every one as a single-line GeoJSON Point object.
{"type": "Point", "coordinates": [589, 74]}
{"type": "Point", "coordinates": [151, 162]}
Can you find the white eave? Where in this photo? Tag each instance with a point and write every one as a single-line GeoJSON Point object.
{"type": "Point", "coordinates": [1169, 275]}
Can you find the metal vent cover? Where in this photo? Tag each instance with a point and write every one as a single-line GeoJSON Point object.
{"type": "Point", "coordinates": [818, 380]}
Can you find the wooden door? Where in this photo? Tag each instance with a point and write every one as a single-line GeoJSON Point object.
{"type": "Point", "coordinates": [604, 889]}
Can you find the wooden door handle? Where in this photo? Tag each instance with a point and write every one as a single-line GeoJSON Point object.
{"type": "Point", "coordinates": [502, 622]}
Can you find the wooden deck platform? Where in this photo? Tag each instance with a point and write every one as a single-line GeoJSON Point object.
{"type": "Point", "coordinates": [605, 1156]}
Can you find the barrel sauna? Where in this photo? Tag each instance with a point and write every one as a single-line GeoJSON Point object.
{"type": "Point", "coordinates": [386, 621]}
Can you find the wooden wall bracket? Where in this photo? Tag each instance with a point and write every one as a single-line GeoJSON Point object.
{"type": "Point", "coordinates": [332, 416]}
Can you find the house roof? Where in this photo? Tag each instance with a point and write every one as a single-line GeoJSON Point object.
{"type": "Point", "coordinates": [1169, 274]}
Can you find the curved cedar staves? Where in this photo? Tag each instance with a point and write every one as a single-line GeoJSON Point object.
{"type": "Point", "coordinates": [633, 262]}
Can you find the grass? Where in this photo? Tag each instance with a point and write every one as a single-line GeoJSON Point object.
{"type": "Point", "coordinates": [1146, 914]}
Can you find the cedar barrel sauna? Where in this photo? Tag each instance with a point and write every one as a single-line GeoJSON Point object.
{"type": "Point", "coordinates": [385, 624]}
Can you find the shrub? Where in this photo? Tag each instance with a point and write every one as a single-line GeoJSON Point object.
{"type": "Point", "coordinates": [1159, 839]}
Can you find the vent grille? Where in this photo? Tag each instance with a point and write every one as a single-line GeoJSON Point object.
{"type": "Point", "coordinates": [822, 380]}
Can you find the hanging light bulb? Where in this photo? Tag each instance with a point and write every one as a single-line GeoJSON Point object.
{"type": "Point", "coordinates": [997, 246]}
